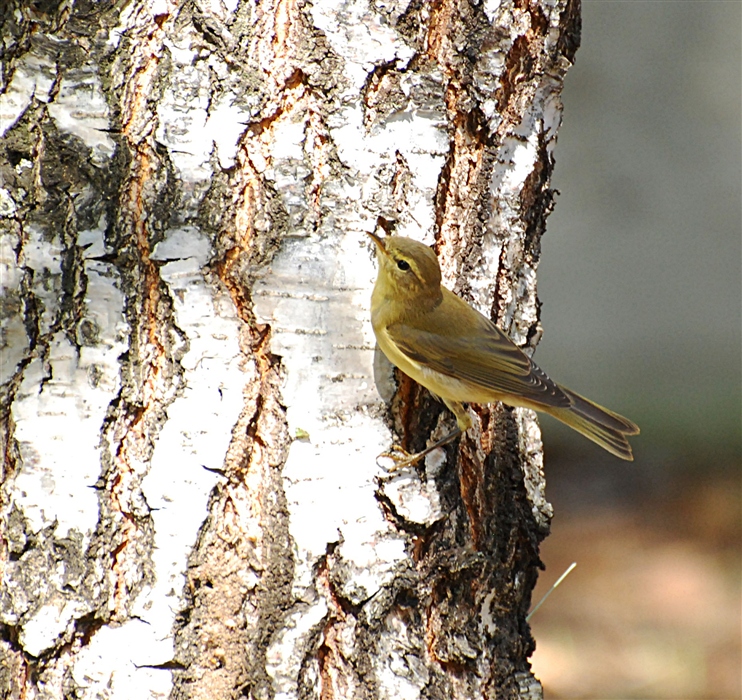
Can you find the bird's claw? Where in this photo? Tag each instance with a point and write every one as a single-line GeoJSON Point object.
{"type": "Point", "coordinates": [400, 458]}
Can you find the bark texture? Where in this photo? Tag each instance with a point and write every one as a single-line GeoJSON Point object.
{"type": "Point", "coordinates": [191, 409]}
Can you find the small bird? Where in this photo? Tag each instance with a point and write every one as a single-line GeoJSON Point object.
{"type": "Point", "coordinates": [461, 356]}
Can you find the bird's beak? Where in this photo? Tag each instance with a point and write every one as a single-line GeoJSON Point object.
{"type": "Point", "coordinates": [379, 242]}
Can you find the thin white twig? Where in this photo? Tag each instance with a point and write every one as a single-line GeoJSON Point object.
{"type": "Point", "coordinates": [551, 590]}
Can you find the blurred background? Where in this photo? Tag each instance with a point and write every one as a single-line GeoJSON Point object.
{"type": "Point", "coordinates": [640, 280]}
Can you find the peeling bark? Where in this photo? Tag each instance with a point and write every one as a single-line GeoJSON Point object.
{"type": "Point", "coordinates": [191, 407]}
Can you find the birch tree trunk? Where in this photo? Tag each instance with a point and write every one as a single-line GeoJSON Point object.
{"type": "Point", "coordinates": [191, 408]}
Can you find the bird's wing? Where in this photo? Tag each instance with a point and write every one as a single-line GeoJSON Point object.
{"type": "Point", "coordinates": [489, 360]}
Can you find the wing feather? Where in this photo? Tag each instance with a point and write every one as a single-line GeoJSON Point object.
{"type": "Point", "coordinates": [485, 357]}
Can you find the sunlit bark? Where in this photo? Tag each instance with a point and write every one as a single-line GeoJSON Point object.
{"type": "Point", "coordinates": [191, 407]}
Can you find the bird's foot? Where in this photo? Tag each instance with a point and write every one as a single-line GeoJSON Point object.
{"type": "Point", "coordinates": [400, 458]}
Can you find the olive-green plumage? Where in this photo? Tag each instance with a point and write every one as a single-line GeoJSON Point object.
{"type": "Point", "coordinates": [461, 356]}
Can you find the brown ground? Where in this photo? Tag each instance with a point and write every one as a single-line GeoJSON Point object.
{"type": "Point", "coordinates": [653, 609]}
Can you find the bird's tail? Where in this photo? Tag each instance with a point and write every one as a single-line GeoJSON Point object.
{"type": "Point", "coordinates": [607, 429]}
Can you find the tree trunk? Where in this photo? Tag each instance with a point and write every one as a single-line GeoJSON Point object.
{"type": "Point", "coordinates": [191, 501]}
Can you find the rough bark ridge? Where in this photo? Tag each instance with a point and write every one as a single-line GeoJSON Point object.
{"type": "Point", "coordinates": [190, 405]}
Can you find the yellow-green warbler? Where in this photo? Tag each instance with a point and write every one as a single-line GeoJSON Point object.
{"type": "Point", "coordinates": [460, 355]}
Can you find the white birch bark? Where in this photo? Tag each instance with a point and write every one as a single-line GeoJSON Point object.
{"type": "Point", "coordinates": [191, 408]}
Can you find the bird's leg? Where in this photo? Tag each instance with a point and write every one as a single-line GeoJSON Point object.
{"type": "Point", "coordinates": [401, 458]}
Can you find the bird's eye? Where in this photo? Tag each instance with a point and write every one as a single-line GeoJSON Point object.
{"type": "Point", "coordinates": [403, 265]}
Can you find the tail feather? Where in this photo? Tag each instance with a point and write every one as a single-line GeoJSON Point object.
{"type": "Point", "coordinates": [604, 427]}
